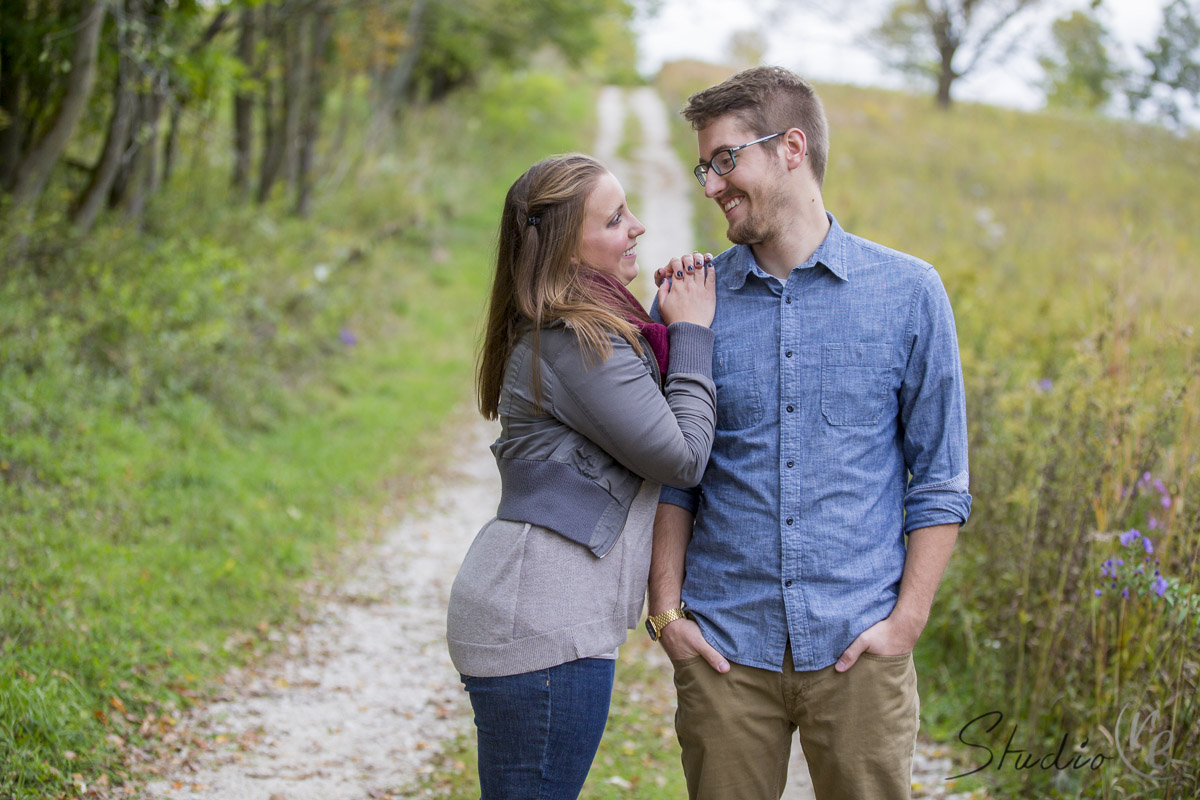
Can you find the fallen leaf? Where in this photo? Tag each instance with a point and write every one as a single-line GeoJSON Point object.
{"type": "Point", "coordinates": [117, 704]}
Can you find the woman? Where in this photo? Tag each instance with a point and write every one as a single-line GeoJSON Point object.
{"type": "Point", "coordinates": [575, 370]}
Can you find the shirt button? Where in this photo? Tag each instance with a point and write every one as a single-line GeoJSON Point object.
{"type": "Point", "coordinates": [787, 583]}
{"type": "Point", "coordinates": [787, 300]}
{"type": "Point", "coordinates": [791, 464]}
{"type": "Point", "coordinates": [789, 520]}
{"type": "Point", "coordinates": [790, 409]}
{"type": "Point", "coordinates": [788, 354]}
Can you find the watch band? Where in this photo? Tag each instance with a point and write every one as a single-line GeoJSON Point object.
{"type": "Point", "coordinates": [656, 623]}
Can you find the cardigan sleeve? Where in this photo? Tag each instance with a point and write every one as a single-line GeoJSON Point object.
{"type": "Point", "coordinates": [663, 436]}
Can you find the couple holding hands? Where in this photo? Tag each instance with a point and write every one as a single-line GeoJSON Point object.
{"type": "Point", "coordinates": [777, 451]}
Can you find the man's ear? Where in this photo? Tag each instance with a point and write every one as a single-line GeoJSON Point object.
{"type": "Point", "coordinates": [795, 147]}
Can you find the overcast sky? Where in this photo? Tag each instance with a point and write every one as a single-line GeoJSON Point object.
{"type": "Point", "coordinates": [824, 46]}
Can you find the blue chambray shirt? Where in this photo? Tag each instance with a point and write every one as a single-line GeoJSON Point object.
{"type": "Point", "coordinates": [832, 389]}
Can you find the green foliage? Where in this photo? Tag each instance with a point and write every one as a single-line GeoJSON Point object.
{"type": "Point", "coordinates": [196, 418]}
{"type": "Point", "coordinates": [460, 40]}
{"type": "Point", "coordinates": [1079, 72]}
{"type": "Point", "coordinates": [903, 36]}
{"type": "Point", "coordinates": [1173, 81]}
{"type": "Point", "coordinates": [940, 42]}
{"type": "Point", "coordinates": [1075, 310]}
{"type": "Point", "coordinates": [613, 59]}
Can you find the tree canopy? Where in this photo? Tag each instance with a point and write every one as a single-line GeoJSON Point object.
{"type": "Point", "coordinates": [1079, 71]}
{"type": "Point", "coordinates": [1171, 85]}
{"type": "Point", "coordinates": [942, 40]}
{"type": "Point", "coordinates": [93, 93]}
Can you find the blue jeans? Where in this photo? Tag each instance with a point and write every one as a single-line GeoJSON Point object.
{"type": "Point", "coordinates": [538, 731]}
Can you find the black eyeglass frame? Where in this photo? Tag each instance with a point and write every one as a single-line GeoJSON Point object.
{"type": "Point", "coordinates": [701, 169]}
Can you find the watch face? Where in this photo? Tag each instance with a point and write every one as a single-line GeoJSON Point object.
{"type": "Point", "coordinates": [650, 630]}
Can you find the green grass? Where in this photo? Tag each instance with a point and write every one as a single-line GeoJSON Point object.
{"type": "Point", "coordinates": [198, 418]}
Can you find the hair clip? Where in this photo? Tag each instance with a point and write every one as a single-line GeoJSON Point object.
{"type": "Point", "coordinates": [533, 221]}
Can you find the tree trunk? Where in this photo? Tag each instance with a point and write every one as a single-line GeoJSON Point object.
{"type": "Point", "coordinates": [314, 102]}
{"type": "Point", "coordinates": [12, 83]}
{"type": "Point", "coordinates": [243, 107]}
{"type": "Point", "coordinates": [395, 82]}
{"type": "Point", "coordinates": [144, 179]}
{"type": "Point", "coordinates": [272, 139]}
{"type": "Point", "coordinates": [946, 78]}
{"type": "Point", "coordinates": [34, 170]}
{"type": "Point", "coordinates": [87, 207]}
{"type": "Point", "coordinates": [293, 95]}
{"type": "Point", "coordinates": [947, 38]}
{"type": "Point", "coordinates": [169, 147]}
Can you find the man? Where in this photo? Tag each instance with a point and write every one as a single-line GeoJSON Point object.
{"type": "Point", "coordinates": [782, 587]}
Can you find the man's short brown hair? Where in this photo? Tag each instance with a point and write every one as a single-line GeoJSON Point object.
{"type": "Point", "coordinates": [767, 100]}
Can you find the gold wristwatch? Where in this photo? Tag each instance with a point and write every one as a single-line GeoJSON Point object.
{"type": "Point", "coordinates": [656, 623]}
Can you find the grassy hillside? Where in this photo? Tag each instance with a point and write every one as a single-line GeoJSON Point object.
{"type": "Point", "coordinates": [195, 418]}
{"type": "Point", "coordinates": [1070, 250]}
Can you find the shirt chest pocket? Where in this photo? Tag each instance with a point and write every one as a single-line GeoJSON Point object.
{"type": "Point", "coordinates": [739, 401]}
{"type": "Point", "coordinates": [856, 385]}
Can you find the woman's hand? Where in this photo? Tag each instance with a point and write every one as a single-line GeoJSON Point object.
{"type": "Point", "coordinates": [687, 290]}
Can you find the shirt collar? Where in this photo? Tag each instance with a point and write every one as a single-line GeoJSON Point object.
{"type": "Point", "coordinates": [830, 254]}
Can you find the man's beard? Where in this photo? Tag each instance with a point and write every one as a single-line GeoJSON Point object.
{"type": "Point", "coordinates": [761, 223]}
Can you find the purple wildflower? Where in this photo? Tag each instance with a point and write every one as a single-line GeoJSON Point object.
{"type": "Point", "coordinates": [1099, 592]}
{"type": "Point", "coordinates": [1166, 501]}
{"type": "Point", "coordinates": [347, 337]}
{"type": "Point", "coordinates": [1160, 586]}
{"type": "Point", "coordinates": [1154, 523]}
{"type": "Point", "coordinates": [1148, 544]}
{"type": "Point", "coordinates": [1045, 384]}
{"type": "Point", "coordinates": [1159, 487]}
{"type": "Point", "coordinates": [1130, 536]}
{"type": "Point", "coordinates": [1125, 593]}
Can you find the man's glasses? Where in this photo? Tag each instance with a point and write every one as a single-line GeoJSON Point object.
{"type": "Point", "coordinates": [724, 162]}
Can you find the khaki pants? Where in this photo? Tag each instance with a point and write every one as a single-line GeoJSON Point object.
{"type": "Point", "coordinates": [858, 728]}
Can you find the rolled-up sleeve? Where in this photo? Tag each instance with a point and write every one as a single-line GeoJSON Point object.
{"type": "Point", "coordinates": [684, 498]}
{"type": "Point", "coordinates": [933, 414]}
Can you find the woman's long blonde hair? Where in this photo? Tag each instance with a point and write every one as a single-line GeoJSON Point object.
{"type": "Point", "coordinates": [539, 278]}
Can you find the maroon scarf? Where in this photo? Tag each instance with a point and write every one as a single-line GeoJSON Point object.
{"type": "Point", "coordinates": [612, 292]}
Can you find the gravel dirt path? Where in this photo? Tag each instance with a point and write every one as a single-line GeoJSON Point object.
{"type": "Point", "coordinates": [354, 705]}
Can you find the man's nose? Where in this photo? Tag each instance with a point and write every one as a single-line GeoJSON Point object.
{"type": "Point", "coordinates": [714, 184]}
